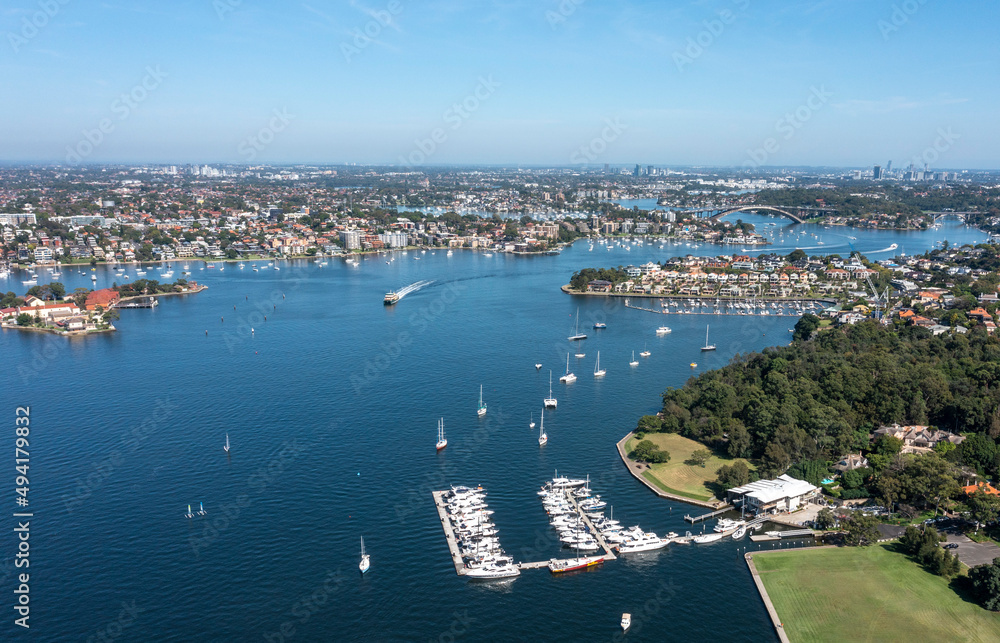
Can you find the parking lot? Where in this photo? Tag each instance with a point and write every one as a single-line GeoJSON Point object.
{"type": "Point", "coordinates": [972, 553]}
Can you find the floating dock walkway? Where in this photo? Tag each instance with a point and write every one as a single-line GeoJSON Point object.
{"type": "Point", "coordinates": [693, 519]}
{"type": "Point", "coordinates": [608, 555]}
{"type": "Point", "coordinates": [449, 532]}
{"type": "Point", "coordinates": [456, 555]}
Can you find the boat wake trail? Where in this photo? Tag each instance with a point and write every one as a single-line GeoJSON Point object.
{"type": "Point", "coordinates": [889, 249]}
{"type": "Point", "coordinates": [414, 287]}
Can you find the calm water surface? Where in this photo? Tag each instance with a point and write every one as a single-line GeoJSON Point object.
{"type": "Point", "coordinates": [331, 407]}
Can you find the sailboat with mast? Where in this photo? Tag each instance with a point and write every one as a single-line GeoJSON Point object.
{"type": "Point", "coordinates": [442, 440]}
{"type": "Point", "coordinates": [577, 335]}
{"type": "Point", "coordinates": [707, 346]}
{"type": "Point", "coordinates": [543, 437]}
{"type": "Point", "coordinates": [568, 377]}
{"type": "Point", "coordinates": [634, 362]}
{"type": "Point", "coordinates": [598, 371]}
{"type": "Point", "coordinates": [226, 448]}
{"type": "Point", "coordinates": [550, 402]}
{"type": "Point", "coordinates": [532, 424]}
{"type": "Point", "coordinates": [481, 410]}
{"type": "Point", "coordinates": [365, 558]}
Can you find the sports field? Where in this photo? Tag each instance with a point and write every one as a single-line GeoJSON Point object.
{"type": "Point", "coordinates": [867, 594]}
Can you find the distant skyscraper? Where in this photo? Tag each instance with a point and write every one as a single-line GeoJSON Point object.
{"type": "Point", "coordinates": [888, 167]}
{"type": "Point", "coordinates": [606, 168]}
{"type": "Point", "coordinates": [650, 170]}
{"type": "Point", "coordinates": [638, 170]}
{"type": "Point", "coordinates": [877, 173]}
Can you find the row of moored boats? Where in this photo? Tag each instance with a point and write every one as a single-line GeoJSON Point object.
{"type": "Point", "coordinates": [476, 535]}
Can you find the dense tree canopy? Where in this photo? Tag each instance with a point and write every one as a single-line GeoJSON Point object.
{"type": "Point", "coordinates": [818, 399]}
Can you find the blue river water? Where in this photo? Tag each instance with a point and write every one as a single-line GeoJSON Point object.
{"type": "Point", "coordinates": [331, 407]}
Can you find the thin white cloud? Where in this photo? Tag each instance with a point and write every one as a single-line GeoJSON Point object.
{"type": "Point", "coordinates": [858, 106]}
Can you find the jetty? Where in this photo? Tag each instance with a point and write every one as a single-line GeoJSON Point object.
{"type": "Point", "coordinates": [449, 532]}
{"type": "Point", "coordinates": [693, 519]}
{"type": "Point", "coordinates": [608, 555]}
{"type": "Point", "coordinates": [150, 302]}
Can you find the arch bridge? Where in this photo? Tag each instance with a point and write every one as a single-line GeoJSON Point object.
{"type": "Point", "coordinates": [757, 208]}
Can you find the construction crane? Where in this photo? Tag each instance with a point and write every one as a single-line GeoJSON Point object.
{"type": "Point", "coordinates": [878, 301]}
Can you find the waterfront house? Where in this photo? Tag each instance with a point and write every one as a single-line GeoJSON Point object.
{"type": "Point", "coordinates": [599, 285]}
{"type": "Point", "coordinates": [985, 487]}
{"type": "Point", "coordinates": [105, 298]}
{"type": "Point", "coordinates": [784, 494]}
{"type": "Point", "coordinates": [917, 438]}
{"type": "Point", "coordinates": [850, 462]}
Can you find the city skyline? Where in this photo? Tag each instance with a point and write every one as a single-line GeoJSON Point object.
{"type": "Point", "coordinates": [728, 84]}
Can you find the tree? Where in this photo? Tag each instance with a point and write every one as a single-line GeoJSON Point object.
{"type": "Point", "coordinates": [649, 424]}
{"type": "Point", "coordinates": [775, 460]}
{"type": "Point", "coordinates": [888, 445]}
{"type": "Point", "coordinates": [733, 475]}
{"type": "Point", "coordinates": [983, 507]}
{"type": "Point", "coordinates": [805, 326]}
{"type": "Point", "coordinates": [25, 319]}
{"type": "Point", "coordinates": [825, 519]}
{"type": "Point", "coordinates": [646, 451]}
{"type": "Point", "coordinates": [700, 457]}
{"type": "Point", "coordinates": [862, 530]}
{"type": "Point", "coordinates": [852, 479]}
{"type": "Point", "coordinates": [986, 584]}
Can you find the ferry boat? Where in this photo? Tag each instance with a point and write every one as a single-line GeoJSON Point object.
{"type": "Point", "coordinates": [557, 566]}
{"type": "Point", "coordinates": [390, 298]}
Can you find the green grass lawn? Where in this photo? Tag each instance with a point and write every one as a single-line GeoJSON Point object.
{"type": "Point", "coordinates": [868, 594]}
{"type": "Point", "coordinates": [675, 476]}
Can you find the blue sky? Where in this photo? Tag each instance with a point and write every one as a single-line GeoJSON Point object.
{"type": "Point", "coordinates": [709, 82]}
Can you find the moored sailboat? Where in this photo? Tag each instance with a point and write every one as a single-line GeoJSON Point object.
{"type": "Point", "coordinates": [598, 371]}
{"type": "Point", "coordinates": [481, 410]}
{"type": "Point", "coordinates": [550, 402]}
{"type": "Point", "coordinates": [365, 558]}
{"type": "Point", "coordinates": [442, 440]}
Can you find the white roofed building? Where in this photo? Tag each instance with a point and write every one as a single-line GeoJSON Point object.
{"type": "Point", "coordinates": [784, 494]}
